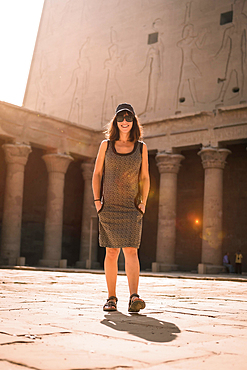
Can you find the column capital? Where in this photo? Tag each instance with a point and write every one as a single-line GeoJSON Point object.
{"type": "Point", "coordinates": [57, 162]}
{"type": "Point", "coordinates": [87, 170]}
{"type": "Point", "coordinates": [214, 157]}
{"type": "Point", "coordinates": [168, 162]}
{"type": "Point", "coordinates": [16, 153]}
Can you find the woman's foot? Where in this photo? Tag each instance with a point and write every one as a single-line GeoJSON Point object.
{"type": "Point", "coordinates": [111, 304]}
{"type": "Point", "coordinates": [136, 303]}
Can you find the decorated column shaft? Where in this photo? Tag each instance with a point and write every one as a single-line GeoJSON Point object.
{"type": "Point", "coordinates": [57, 165]}
{"type": "Point", "coordinates": [168, 165]}
{"type": "Point", "coordinates": [16, 156]}
{"type": "Point", "coordinates": [213, 161]}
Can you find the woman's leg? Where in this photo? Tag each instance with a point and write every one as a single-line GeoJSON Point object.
{"type": "Point", "coordinates": [132, 268]}
{"type": "Point", "coordinates": [111, 269]}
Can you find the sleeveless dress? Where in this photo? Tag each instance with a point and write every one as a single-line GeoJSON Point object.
{"type": "Point", "coordinates": [120, 219]}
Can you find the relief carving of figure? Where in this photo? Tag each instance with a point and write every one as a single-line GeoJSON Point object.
{"type": "Point", "coordinates": [189, 70]}
{"type": "Point", "coordinates": [234, 41]}
{"type": "Point", "coordinates": [79, 83]}
{"type": "Point", "coordinates": [153, 66]}
{"type": "Point", "coordinates": [113, 91]}
{"type": "Point", "coordinates": [43, 85]}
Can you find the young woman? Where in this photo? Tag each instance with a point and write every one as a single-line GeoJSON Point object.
{"type": "Point", "coordinates": [122, 161]}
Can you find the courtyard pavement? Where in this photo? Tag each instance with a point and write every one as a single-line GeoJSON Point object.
{"type": "Point", "coordinates": [53, 320]}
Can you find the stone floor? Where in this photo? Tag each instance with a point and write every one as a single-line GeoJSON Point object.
{"type": "Point", "coordinates": [53, 320]}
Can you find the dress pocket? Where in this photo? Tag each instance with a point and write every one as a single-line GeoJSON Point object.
{"type": "Point", "coordinates": [138, 209]}
{"type": "Point", "coordinates": [100, 209]}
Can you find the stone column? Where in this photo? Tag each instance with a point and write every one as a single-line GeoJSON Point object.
{"type": "Point", "coordinates": [16, 156]}
{"type": "Point", "coordinates": [57, 165]}
{"type": "Point", "coordinates": [213, 161]}
{"type": "Point", "coordinates": [168, 165]}
{"type": "Point", "coordinates": [89, 228]}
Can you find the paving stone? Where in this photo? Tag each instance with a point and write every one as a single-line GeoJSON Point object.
{"type": "Point", "coordinates": [53, 320]}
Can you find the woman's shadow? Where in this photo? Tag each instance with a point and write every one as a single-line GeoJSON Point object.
{"type": "Point", "coordinates": [141, 326]}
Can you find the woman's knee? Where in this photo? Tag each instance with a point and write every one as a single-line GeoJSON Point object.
{"type": "Point", "coordinates": [130, 251]}
{"type": "Point", "coordinates": [112, 253]}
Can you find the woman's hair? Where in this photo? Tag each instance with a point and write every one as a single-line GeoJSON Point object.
{"type": "Point", "coordinates": [112, 131]}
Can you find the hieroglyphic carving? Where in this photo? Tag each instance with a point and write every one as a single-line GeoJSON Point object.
{"type": "Point", "coordinates": [79, 83]}
{"type": "Point", "coordinates": [187, 13]}
{"type": "Point", "coordinates": [113, 89]}
{"type": "Point", "coordinates": [235, 42]}
{"type": "Point", "coordinates": [43, 85]}
{"type": "Point", "coordinates": [153, 66]}
{"type": "Point", "coordinates": [189, 70]}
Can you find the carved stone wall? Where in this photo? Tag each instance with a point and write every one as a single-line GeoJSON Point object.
{"type": "Point", "coordinates": [165, 57]}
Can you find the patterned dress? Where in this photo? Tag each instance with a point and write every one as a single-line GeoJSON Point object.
{"type": "Point", "coordinates": [120, 219]}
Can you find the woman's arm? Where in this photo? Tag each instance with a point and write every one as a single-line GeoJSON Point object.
{"type": "Point", "coordinates": [97, 174]}
{"type": "Point", "coordinates": [144, 179]}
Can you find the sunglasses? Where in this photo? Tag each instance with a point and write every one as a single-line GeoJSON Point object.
{"type": "Point", "coordinates": [126, 118]}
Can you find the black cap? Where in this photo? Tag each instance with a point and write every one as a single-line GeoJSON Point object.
{"type": "Point", "coordinates": [125, 107]}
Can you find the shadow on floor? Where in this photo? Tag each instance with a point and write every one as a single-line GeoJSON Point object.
{"type": "Point", "coordinates": [142, 326]}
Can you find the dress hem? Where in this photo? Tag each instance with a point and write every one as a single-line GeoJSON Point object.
{"type": "Point", "coordinates": [130, 246]}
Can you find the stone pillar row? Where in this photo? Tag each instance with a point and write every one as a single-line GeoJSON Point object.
{"type": "Point", "coordinates": [213, 161]}
{"type": "Point", "coordinates": [16, 156]}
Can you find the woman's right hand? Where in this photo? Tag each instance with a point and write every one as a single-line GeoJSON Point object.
{"type": "Point", "coordinates": [98, 205]}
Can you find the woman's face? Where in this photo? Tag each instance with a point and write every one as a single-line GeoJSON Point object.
{"type": "Point", "coordinates": [122, 122]}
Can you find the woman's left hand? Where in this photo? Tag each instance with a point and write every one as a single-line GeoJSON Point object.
{"type": "Point", "coordinates": [142, 207]}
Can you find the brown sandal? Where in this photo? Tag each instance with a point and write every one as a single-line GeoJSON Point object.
{"type": "Point", "coordinates": [111, 304]}
{"type": "Point", "coordinates": [135, 305]}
